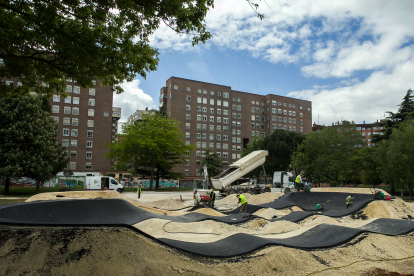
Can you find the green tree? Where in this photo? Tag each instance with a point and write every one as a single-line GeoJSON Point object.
{"type": "Point", "coordinates": [393, 121]}
{"type": "Point", "coordinates": [28, 140]}
{"type": "Point", "coordinates": [212, 162]}
{"type": "Point", "coordinates": [155, 142]}
{"type": "Point", "coordinates": [85, 40]}
{"type": "Point", "coordinates": [400, 156]}
{"type": "Point", "coordinates": [324, 154]}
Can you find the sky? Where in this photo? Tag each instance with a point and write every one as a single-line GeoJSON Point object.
{"type": "Point", "coordinates": [352, 59]}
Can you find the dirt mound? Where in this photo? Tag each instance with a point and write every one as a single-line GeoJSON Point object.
{"type": "Point", "coordinates": [75, 195]}
{"type": "Point", "coordinates": [316, 220]}
{"type": "Point", "coordinates": [347, 190]}
{"type": "Point", "coordinates": [164, 204]}
{"type": "Point", "coordinates": [251, 199]}
{"type": "Point", "coordinates": [210, 212]}
{"type": "Point", "coordinates": [120, 251]}
{"type": "Point", "coordinates": [269, 213]}
{"type": "Point", "coordinates": [396, 208]}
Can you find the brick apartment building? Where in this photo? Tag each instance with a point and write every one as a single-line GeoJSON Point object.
{"type": "Point", "coordinates": [366, 130]}
{"type": "Point", "coordinates": [137, 116]}
{"type": "Point", "coordinates": [217, 117]}
{"type": "Point", "coordinates": [86, 122]}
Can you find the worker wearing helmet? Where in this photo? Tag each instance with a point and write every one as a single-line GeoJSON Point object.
{"type": "Point", "coordinates": [212, 197]}
{"type": "Point", "coordinates": [243, 202]}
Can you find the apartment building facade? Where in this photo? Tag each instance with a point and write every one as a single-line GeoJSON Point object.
{"type": "Point", "coordinates": [86, 122]}
{"type": "Point", "coordinates": [137, 116]}
{"type": "Point", "coordinates": [225, 120]}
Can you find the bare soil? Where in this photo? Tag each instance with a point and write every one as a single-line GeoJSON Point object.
{"type": "Point", "coordinates": [121, 251]}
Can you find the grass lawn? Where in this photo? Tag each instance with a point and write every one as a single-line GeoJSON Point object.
{"type": "Point", "coordinates": [10, 201]}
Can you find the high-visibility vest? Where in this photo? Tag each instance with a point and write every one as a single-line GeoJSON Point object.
{"type": "Point", "coordinates": [212, 196]}
{"type": "Point", "coordinates": [297, 179]}
{"type": "Point", "coordinates": [243, 200]}
{"type": "Point", "coordinates": [139, 191]}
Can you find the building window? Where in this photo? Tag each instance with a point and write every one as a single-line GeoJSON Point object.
{"type": "Point", "coordinates": [73, 143]}
{"type": "Point", "coordinates": [211, 101]}
{"type": "Point", "coordinates": [225, 155]}
{"type": "Point", "coordinates": [301, 115]}
{"type": "Point", "coordinates": [225, 103]}
{"type": "Point", "coordinates": [187, 107]}
{"type": "Point", "coordinates": [75, 111]}
{"type": "Point", "coordinates": [187, 125]}
{"type": "Point", "coordinates": [75, 121]}
{"type": "Point", "coordinates": [187, 163]}
{"type": "Point", "coordinates": [91, 102]}
{"type": "Point", "coordinates": [204, 135]}
{"type": "Point", "coordinates": [212, 119]}
{"type": "Point", "coordinates": [76, 89]}
{"type": "Point", "coordinates": [219, 102]}
{"type": "Point", "coordinates": [68, 99]}
{"type": "Point", "coordinates": [75, 100]}
{"type": "Point", "coordinates": [225, 95]}
{"type": "Point", "coordinates": [65, 143]}
{"type": "Point", "coordinates": [65, 132]}
{"type": "Point", "coordinates": [218, 137]}
{"type": "Point", "coordinates": [66, 121]}
{"type": "Point", "coordinates": [72, 165]}
{"type": "Point", "coordinates": [56, 98]}
{"type": "Point", "coordinates": [89, 134]}
{"type": "Point", "coordinates": [74, 133]}
{"type": "Point", "coordinates": [218, 145]}
{"type": "Point", "coordinates": [91, 112]}
{"type": "Point", "coordinates": [204, 145]}
{"type": "Point", "coordinates": [55, 109]}
{"type": "Point", "coordinates": [211, 136]}
{"type": "Point", "coordinates": [88, 155]}
{"type": "Point", "coordinates": [204, 118]}
{"type": "Point", "coordinates": [90, 123]}
{"type": "Point", "coordinates": [301, 129]}
{"type": "Point", "coordinates": [91, 91]}
{"type": "Point", "coordinates": [88, 165]}
{"type": "Point", "coordinates": [187, 172]}
{"type": "Point", "coordinates": [226, 146]}
{"type": "Point", "coordinates": [66, 110]}
{"type": "Point", "coordinates": [89, 144]}
{"type": "Point", "coordinates": [188, 98]}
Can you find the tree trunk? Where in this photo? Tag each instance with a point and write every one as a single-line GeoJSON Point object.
{"type": "Point", "coordinates": [157, 180]}
{"type": "Point", "coordinates": [6, 187]}
{"type": "Point", "coordinates": [411, 193]}
{"type": "Point", "coordinates": [37, 186]}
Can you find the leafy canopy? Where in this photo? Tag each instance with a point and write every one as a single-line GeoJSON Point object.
{"type": "Point", "coordinates": [28, 140]}
{"type": "Point", "coordinates": [51, 41]}
{"type": "Point", "coordinates": [154, 142]}
{"type": "Point", "coordinates": [393, 121]}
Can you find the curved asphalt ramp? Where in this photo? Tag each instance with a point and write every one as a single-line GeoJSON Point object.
{"type": "Point", "coordinates": [335, 203]}
{"type": "Point", "coordinates": [118, 212]}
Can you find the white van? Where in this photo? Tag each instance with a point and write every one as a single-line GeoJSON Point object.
{"type": "Point", "coordinates": [283, 182]}
{"type": "Point", "coordinates": [102, 182]}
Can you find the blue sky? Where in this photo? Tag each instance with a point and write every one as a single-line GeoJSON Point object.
{"type": "Point", "coordinates": [352, 59]}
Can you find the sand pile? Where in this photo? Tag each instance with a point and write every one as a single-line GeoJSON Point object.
{"type": "Point", "coordinates": [396, 208]}
{"type": "Point", "coordinates": [164, 204]}
{"type": "Point", "coordinates": [210, 212]}
{"type": "Point", "coordinates": [120, 251]}
{"type": "Point", "coordinates": [269, 213]}
{"type": "Point", "coordinates": [75, 195]}
{"type": "Point", "coordinates": [316, 220]}
{"type": "Point", "coordinates": [251, 199]}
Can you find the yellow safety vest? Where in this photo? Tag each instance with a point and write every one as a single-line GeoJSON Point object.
{"type": "Point", "coordinates": [243, 200]}
{"type": "Point", "coordinates": [139, 191]}
{"type": "Point", "coordinates": [297, 179]}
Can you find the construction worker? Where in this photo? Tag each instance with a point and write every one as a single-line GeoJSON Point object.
{"type": "Point", "coordinates": [197, 198]}
{"type": "Point", "coordinates": [139, 191]}
{"type": "Point", "coordinates": [298, 181]}
{"type": "Point", "coordinates": [212, 197]}
{"type": "Point", "coordinates": [350, 201]}
{"type": "Point", "coordinates": [243, 202]}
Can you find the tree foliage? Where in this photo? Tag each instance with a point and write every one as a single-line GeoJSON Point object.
{"type": "Point", "coordinates": [398, 157]}
{"type": "Point", "coordinates": [85, 40]}
{"type": "Point", "coordinates": [280, 144]}
{"type": "Point", "coordinates": [28, 140]}
{"type": "Point", "coordinates": [156, 142]}
{"type": "Point", "coordinates": [325, 154]}
{"type": "Point", "coordinates": [393, 121]}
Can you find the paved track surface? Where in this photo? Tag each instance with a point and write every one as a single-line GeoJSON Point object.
{"type": "Point", "coordinates": [118, 212]}
{"type": "Point", "coordinates": [335, 203]}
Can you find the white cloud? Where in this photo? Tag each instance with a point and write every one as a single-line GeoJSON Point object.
{"type": "Point", "coordinates": [360, 101]}
{"type": "Point", "coordinates": [131, 100]}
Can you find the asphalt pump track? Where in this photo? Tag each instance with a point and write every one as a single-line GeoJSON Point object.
{"type": "Point", "coordinates": [118, 212]}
